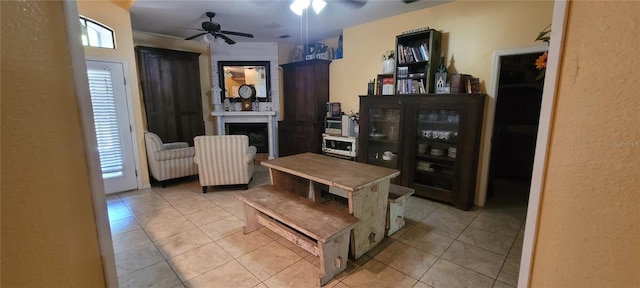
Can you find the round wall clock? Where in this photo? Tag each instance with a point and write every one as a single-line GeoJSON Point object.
{"type": "Point", "coordinates": [247, 93]}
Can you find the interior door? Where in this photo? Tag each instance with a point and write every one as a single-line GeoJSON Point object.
{"type": "Point", "coordinates": [112, 124]}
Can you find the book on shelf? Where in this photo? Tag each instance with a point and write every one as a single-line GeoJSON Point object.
{"type": "Point", "coordinates": [425, 52]}
{"type": "Point", "coordinates": [387, 86]}
{"type": "Point", "coordinates": [413, 53]}
{"type": "Point", "coordinates": [384, 84]}
{"type": "Point", "coordinates": [400, 54]}
{"type": "Point", "coordinates": [403, 72]}
{"type": "Point", "coordinates": [411, 86]}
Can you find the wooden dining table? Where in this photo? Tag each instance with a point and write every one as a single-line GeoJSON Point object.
{"type": "Point", "coordinates": [366, 188]}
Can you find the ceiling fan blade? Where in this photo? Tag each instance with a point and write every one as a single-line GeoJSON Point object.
{"type": "Point", "coordinates": [355, 3]}
{"type": "Point", "coordinates": [195, 36]}
{"type": "Point", "coordinates": [237, 33]}
{"type": "Point", "coordinates": [227, 39]}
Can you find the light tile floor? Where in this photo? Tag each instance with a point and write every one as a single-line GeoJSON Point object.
{"type": "Point", "coordinates": [178, 237]}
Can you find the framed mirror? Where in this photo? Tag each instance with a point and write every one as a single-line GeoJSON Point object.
{"type": "Point", "coordinates": [232, 74]}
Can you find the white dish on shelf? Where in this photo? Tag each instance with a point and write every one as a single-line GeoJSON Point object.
{"type": "Point", "coordinates": [387, 158]}
{"type": "Point", "coordinates": [425, 169]}
{"type": "Point", "coordinates": [377, 135]}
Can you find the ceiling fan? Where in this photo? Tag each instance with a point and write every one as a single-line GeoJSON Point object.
{"type": "Point", "coordinates": [298, 6]}
{"type": "Point", "coordinates": [213, 29]}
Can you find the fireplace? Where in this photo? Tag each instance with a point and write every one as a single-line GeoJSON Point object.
{"type": "Point", "coordinates": [258, 134]}
{"type": "Point", "coordinates": [268, 118]}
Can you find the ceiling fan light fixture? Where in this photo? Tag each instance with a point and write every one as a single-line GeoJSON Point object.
{"type": "Point", "coordinates": [299, 5]}
{"type": "Point", "coordinates": [208, 38]}
{"type": "Point", "coordinates": [218, 42]}
{"type": "Point", "coordinates": [318, 5]}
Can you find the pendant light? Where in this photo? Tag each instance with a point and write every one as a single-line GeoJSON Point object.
{"type": "Point", "coordinates": [298, 6]}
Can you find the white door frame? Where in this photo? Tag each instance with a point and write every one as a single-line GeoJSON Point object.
{"type": "Point", "coordinates": [542, 141]}
{"type": "Point", "coordinates": [481, 196]}
{"type": "Point", "coordinates": [98, 196]}
{"type": "Point", "coordinates": [130, 113]}
{"type": "Point", "coordinates": [560, 11]}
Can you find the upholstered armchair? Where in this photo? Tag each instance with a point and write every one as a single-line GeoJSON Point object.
{"type": "Point", "coordinates": [224, 160]}
{"type": "Point", "coordinates": [169, 160]}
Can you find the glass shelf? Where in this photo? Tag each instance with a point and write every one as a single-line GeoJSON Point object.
{"type": "Point", "coordinates": [427, 140]}
{"type": "Point", "coordinates": [383, 140]}
{"type": "Point", "coordinates": [440, 189]}
{"type": "Point", "coordinates": [441, 159]}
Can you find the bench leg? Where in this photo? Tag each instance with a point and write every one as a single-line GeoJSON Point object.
{"type": "Point", "coordinates": [333, 256]}
{"type": "Point", "coordinates": [250, 215]}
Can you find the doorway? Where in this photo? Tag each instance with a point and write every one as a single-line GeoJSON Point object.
{"type": "Point", "coordinates": [112, 125]}
{"type": "Point", "coordinates": [513, 140]}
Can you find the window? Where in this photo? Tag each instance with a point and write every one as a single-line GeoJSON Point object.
{"type": "Point", "coordinates": [103, 100]}
{"type": "Point", "coordinates": [95, 34]}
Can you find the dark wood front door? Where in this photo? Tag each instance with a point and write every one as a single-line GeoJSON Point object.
{"type": "Point", "coordinates": [171, 91]}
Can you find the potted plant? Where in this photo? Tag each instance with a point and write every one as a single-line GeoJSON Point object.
{"type": "Point", "coordinates": [541, 62]}
{"type": "Point", "coordinates": [388, 62]}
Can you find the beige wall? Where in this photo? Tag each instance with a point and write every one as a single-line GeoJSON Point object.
{"type": "Point", "coordinates": [589, 229]}
{"type": "Point", "coordinates": [49, 233]}
{"type": "Point", "coordinates": [471, 35]}
{"type": "Point", "coordinates": [118, 19]}
{"type": "Point", "coordinates": [196, 46]}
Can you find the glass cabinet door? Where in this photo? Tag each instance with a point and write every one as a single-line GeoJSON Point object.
{"type": "Point", "coordinates": [436, 139]}
{"type": "Point", "coordinates": [383, 139]}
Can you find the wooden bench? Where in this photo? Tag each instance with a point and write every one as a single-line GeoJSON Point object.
{"type": "Point", "coordinates": [321, 229]}
{"type": "Point", "coordinates": [398, 196]}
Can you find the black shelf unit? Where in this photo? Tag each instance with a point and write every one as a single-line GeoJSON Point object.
{"type": "Point", "coordinates": [417, 57]}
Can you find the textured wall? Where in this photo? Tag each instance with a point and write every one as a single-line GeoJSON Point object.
{"type": "Point", "coordinates": [49, 234]}
{"type": "Point", "coordinates": [589, 229]}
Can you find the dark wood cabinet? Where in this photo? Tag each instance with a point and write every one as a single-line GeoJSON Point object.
{"type": "Point", "coordinates": [437, 143]}
{"type": "Point", "coordinates": [171, 92]}
{"type": "Point", "coordinates": [306, 93]}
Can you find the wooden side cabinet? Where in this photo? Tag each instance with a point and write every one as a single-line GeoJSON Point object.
{"type": "Point", "coordinates": [437, 146]}
{"type": "Point", "coordinates": [171, 92]}
{"type": "Point", "coordinates": [306, 93]}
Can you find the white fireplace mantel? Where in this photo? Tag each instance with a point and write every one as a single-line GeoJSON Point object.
{"type": "Point", "coordinates": [269, 117]}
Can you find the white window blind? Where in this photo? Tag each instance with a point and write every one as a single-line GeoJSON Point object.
{"type": "Point", "coordinates": [106, 122]}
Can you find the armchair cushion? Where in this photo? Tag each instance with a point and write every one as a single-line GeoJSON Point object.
{"type": "Point", "coordinates": [175, 145]}
{"type": "Point", "coordinates": [175, 153]}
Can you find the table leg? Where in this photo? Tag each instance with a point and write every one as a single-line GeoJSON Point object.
{"type": "Point", "coordinates": [370, 206]}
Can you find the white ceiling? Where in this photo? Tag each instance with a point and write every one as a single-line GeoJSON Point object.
{"type": "Point", "coordinates": [265, 19]}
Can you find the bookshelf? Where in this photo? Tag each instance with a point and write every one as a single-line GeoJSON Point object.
{"type": "Point", "coordinates": [417, 57]}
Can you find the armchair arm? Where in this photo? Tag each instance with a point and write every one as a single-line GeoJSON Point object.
{"type": "Point", "coordinates": [175, 153]}
{"type": "Point", "coordinates": [251, 153]}
{"type": "Point", "coordinates": [174, 145]}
